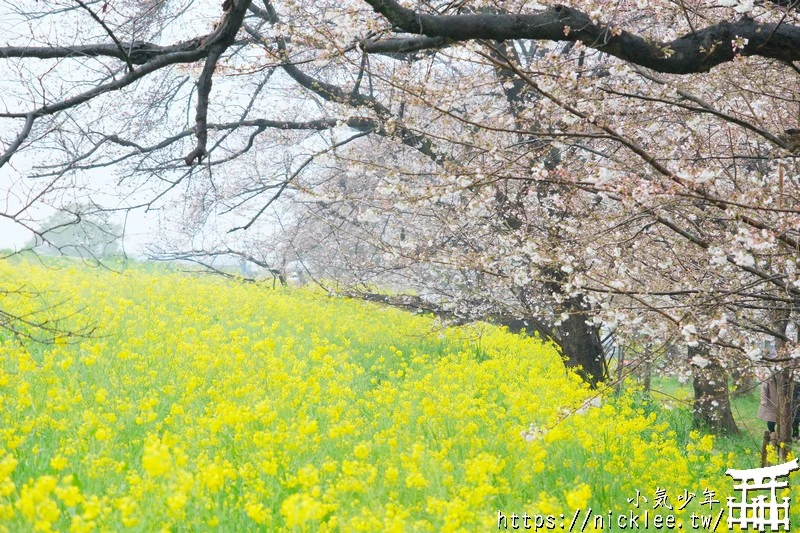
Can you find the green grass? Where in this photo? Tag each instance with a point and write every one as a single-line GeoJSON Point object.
{"type": "Point", "coordinates": [678, 398]}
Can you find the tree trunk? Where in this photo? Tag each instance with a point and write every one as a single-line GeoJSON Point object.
{"type": "Point", "coordinates": [620, 368]}
{"type": "Point", "coordinates": [582, 348]}
{"type": "Point", "coordinates": [784, 425]}
{"type": "Point", "coordinates": [580, 344]}
{"type": "Point", "coordinates": [712, 408]}
{"type": "Point", "coordinates": [647, 370]}
{"type": "Point", "coordinates": [579, 339]}
{"type": "Point", "coordinates": [784, 379]}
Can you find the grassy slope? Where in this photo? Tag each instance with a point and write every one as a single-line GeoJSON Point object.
{"type": "Point", "coordinates": [210, 404]}
{"type": "Point", "coordinates": [670, 392]}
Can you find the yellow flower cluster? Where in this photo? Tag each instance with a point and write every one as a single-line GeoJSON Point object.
{"type": "Point", "coordinates": [201, 403]}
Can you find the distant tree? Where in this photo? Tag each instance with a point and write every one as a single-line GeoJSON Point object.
{"type": "Point", "coordinates": [79, 230]}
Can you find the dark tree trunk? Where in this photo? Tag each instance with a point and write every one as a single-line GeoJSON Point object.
{"type": "Point", "coordinates": [712, 407]}
{"type": "Point", "coordinates": [531, 327]}
{"type": "Point", "coordinates": [620, 368]}
{"type": "Point", "coordinates": [647, 371]}
{"type": "Point", "coordinates": [579, 339]}
{"type": "Point", "coordinates": [784, 426]}
{"type": "Point", "coordinates": [581, 346]}
{"type": "Point", "coordinates": [784, 379]}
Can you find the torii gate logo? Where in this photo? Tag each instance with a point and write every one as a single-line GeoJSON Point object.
{"type": "Point", "coordinates": [759, 512]}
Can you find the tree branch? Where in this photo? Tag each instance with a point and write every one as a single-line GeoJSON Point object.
{"type": "Point", "coordinates": [400, 47]}
{"type": "Point", "coordinates": [109, 32]}
{"type": "Point", "coordinates": [285, 183]}
{"type": "Point", "coordinates": [699, 51]}
{"type": "Point", "coordinates": [218, 41]}
{"type": "Point", "coordinates": [137, 52]}
{"type": "Point", "coordinates": [333, 93]}
{"type": "Point", "coordinates": [201, 117]}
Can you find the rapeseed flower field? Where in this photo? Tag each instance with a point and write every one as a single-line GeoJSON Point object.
{"type": "Point", "coordinates": [205, 404]}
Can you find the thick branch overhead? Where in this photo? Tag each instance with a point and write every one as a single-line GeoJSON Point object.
{"type": "Point", "coordinates": [699, 51]}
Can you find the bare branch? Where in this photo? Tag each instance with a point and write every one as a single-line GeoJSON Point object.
{"type": "Point", "coordinates": [109, 32]}
{"type": "Point", "coordinates": [294, 175]}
